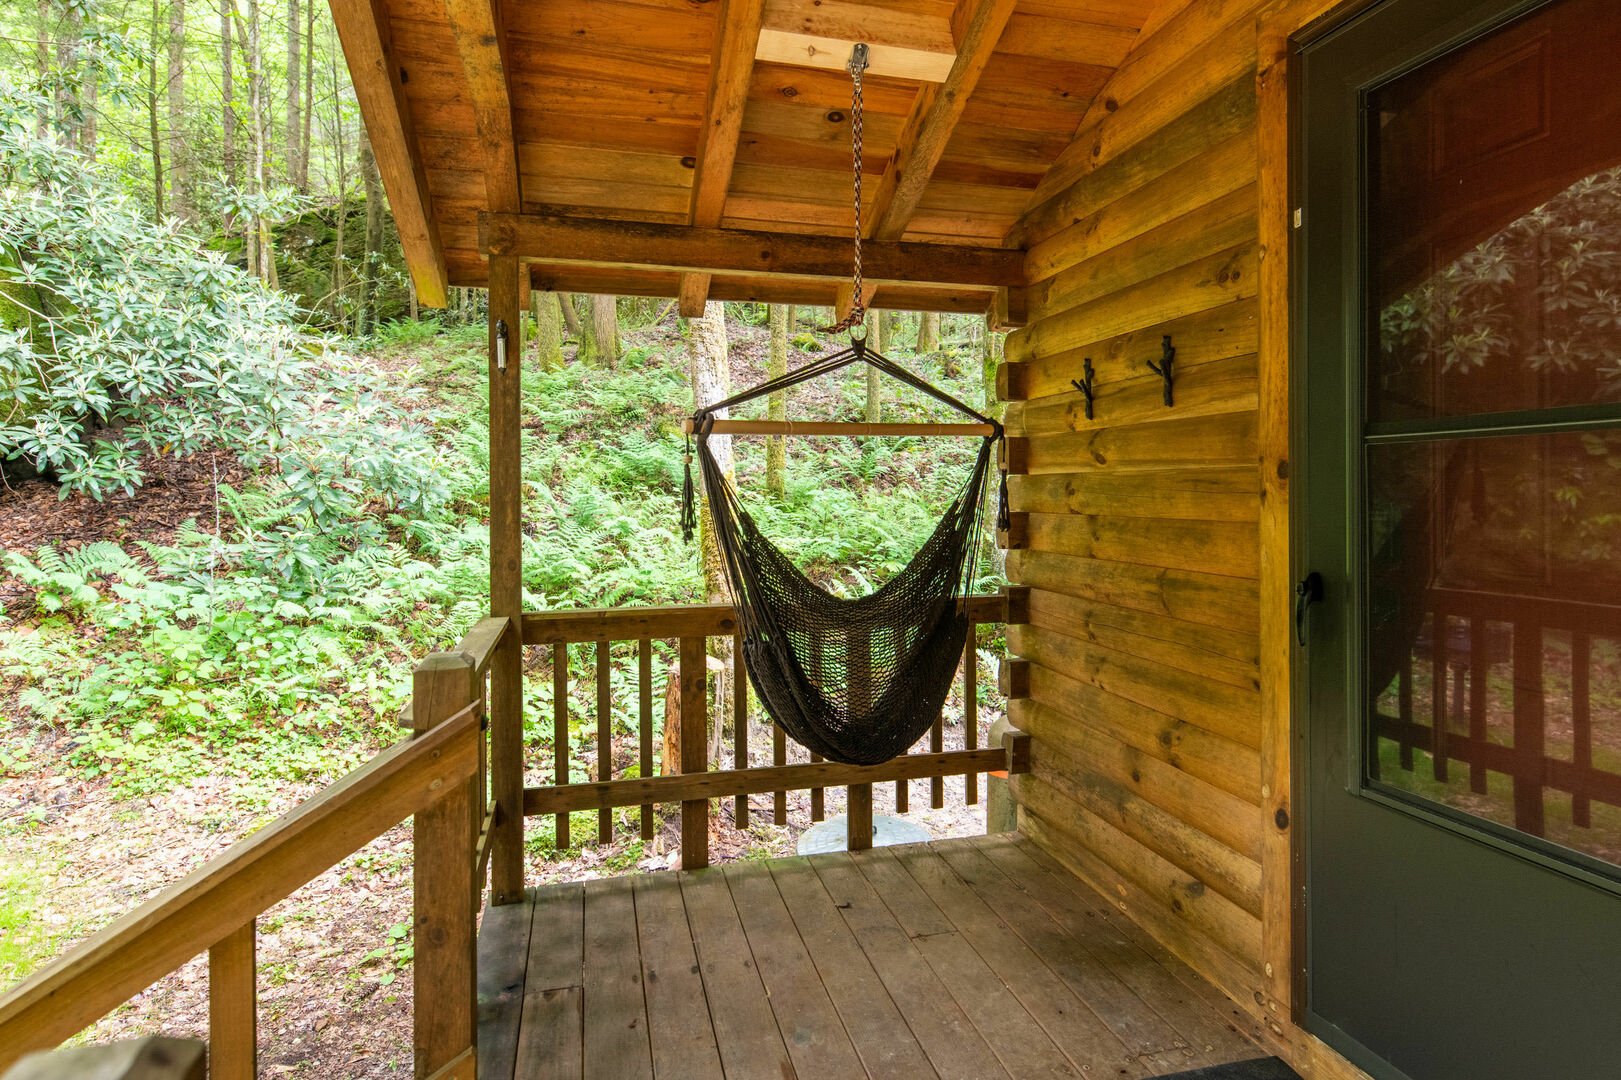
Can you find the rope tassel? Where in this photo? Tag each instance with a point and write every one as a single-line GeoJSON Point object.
{"type": "Point", "coordinates": [689, 500]}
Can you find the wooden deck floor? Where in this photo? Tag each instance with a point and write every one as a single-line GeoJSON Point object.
{"type": "Point", "coordinates": [964, 958]}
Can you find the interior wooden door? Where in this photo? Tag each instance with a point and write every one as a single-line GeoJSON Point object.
{"type": "Point", "coordinates": [1460, 343]}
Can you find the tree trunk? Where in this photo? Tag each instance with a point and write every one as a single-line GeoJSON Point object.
{"type": "Point", "coordinates": [548, 314]}
{"type": "Point", "coordinates": [341, 163]}
{"type": "Point", "coordinates": [152, 113]}
{"type": "Point", "coordinates": [878, 341]}
{"type": "Point", "coordinates": [928, 332]}
{"type": "Point", "coordinates": [776, 450]}
{"type": "Point", "coordinates": [69, 105]}
{"type": "Point", "coordinates": [302, 181]}
{"type": "Point", "coordinates": [264, 248]}
{"type": "Point", "coordinates": [366, 320]}
{"type": "Point", "coordinates": [180, 197]}
{"type": "Point", "coordinates": [605, 323]}
{"type": "Point", "coordinates": [571, 317]}
{"type": "Point", "coordinates": [227, 106]}
{"type": "Point", "coordinates": [42, 63]}
{"type": "Point", "coordinates": [295, 119]}
{"type": "Point", "coordinates": [711, 382]}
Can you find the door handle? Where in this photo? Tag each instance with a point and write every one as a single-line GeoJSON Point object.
{"type": "Point", "coordinates": [1308, 592]}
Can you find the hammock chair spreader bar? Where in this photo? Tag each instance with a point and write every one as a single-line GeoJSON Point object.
{"type": "Point", "coordinates": [834, 427]}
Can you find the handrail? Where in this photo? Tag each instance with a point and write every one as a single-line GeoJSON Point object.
{"type": "Point", "coordinates": [581, 625]}
{"type": "Point", "coordinates": [219, 898]}
{"type": "Point", "coordinates": [479, 643]}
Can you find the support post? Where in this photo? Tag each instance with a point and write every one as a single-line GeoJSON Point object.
{"type": "Point", "coordinates": [233, 1005]}
{"type": "Point", "coordinates": [445, 886]}
{"type": "Point", "coordinates": [694, 675]}
{"type": "Point", "coordinates": [506, 583]}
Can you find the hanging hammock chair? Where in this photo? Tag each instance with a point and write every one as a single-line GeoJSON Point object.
{"type": "Point", "coordinates": [856, 680]}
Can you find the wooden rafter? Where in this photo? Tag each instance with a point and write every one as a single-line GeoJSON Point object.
{"type": "Point", "coordinates": [690, 248]}
{"type": "Point", "coordinates": [481, 43]}
{"type": "Point", "coordinates": [731, 68]}
{"type": "Point", "coordinates": [934, 116]}
{"type": "Point", "coordinates": [362, 28]}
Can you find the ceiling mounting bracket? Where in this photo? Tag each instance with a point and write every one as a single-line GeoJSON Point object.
{"type": "Point", "coordinates": [858, 57]}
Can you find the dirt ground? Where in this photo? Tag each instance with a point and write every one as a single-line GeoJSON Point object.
{"type": "Point", "coordinates": [334, 999]}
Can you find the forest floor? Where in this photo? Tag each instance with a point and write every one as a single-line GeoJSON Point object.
{"type": "Point", "coordinates": [78, 850]}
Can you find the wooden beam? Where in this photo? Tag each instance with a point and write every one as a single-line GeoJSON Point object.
{"type": "Point", "coordinates": [934, 117]}
{"type": "Point", "coordinates": [363, 30]}
{"type": "Point", "coordinates": [692, 294]}
{"type": "Point", "coordinates": [844, 300]}
{"type": "Point", "coordinates": [678, 247]}
{"type": "Point", "coordinates": [821, 33]}
{"type": "Point", "coordinates": [834, 427]}
{"type": "Point", "coordinates": [481, 42]}
{"type": "Point", "coordinates": [731, 67]}
{"type": "Point", "coordinates": [699, 787]}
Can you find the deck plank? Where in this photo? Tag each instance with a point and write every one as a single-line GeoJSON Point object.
{"type": "Point", "coordinates": [503, 944]}
{"type": "Point", "coordinates": [744, 1027]}
{"type": "Point", "coordinates": [615, 1006]}
{"type": "Point", "coordinates": [810, 1026]}
{"type": "Point", "coordinates": [1132, 956]}
{"type": "Point", "coordinates": [1019, 1041]}
{"type": "Point", "coordinates": [678, 1022]}
{"type": "Point", "coordinates": [1136, 1025]}
{"type": "Point", "coordinates": [550, 1042]}
{"type": "Point", "coordinates": [954, 1046]}
{"type": "Point", "coordinates": [874, 1024]}
{"type": "Point", "coordinates": [557, 938]}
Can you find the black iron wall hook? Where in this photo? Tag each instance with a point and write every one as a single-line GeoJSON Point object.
{"type": "Point", "coordinates": [1084, 385]}
{"type": "Point", "coordinates": [1165, 368]}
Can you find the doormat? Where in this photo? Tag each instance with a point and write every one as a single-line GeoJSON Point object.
{"type": "Point", "coordinates": [1260, 1069]}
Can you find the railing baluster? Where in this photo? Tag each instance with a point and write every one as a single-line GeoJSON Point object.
{"type": "Point", "coordinates": [233, 1005]}
{"type": "Point", "coordinates": [779, 757]}
{"type": "Point", "coordinates": [694, 675]}
{"type": "Point", "coordinates": [1439, 656]}
{"type": "Point", "coordinates": [560, 733]}
{"type": "Point", "coordinates": [1581, 723]}
{"type": "Point", "coordinates": [903, 796]}
{"type": "Point", "coordinates": [970, 709]}
{"type": "Point", "coordinates": [1478, 666]}
{"type": "Point", "coordinates": [740, 726]}
{"type": "Point", "coordinates": [818, 800]}
{"type": "Point", "coordinates": [858, 818]}
{"type": "Point", "coordinates": [937, 743]}
{"type": "Point", "coordinates": [605, 748]}
{"type": "Point", "coordinates": [1530, 736]}
{"type": "Point", "coordinates": [644, 678]}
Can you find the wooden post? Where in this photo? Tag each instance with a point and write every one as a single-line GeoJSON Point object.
{"type": "Point", "coordinates": [444, 885]}
{"type": "Point", "coordinates": [694, 750]}
{"type": "Point", "coordinates": [779, 758]}
{"type": "Point", "coordinates": [644, 682]}
{"type": "Point", "coordinates": [506, 581]}
{"type": "Point", "coordinates": [858, 818]}
{"type": "Point", "coordinates": [233, 1005]}
{"type": "Point", "coordinates": [605, 816]}
{"type": "Point", "coordinates": [740, 726]}
{"type": "Point", "coordinates": [560, 837]}
{"type": "Point", "coordinates": [970, 709]}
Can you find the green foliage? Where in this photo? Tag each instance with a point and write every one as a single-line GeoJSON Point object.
{"type": "Point", "coordinates": [136, 344]}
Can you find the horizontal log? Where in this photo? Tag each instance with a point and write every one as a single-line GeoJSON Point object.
{"type": "Point", "coordinates": [1192, 494]}
{"type": "Point", "coordinates": [687, 787]}
{"type": "Point", "coordinates": [1210, 599]}
{"type": "Point", "coordinates": [1137, 397]}
{"type": "Point", "coordinates": [674, 621]}
{"type": "Point", "coordinates": [829, 427]}
{"type": "Point", "coordinates": [681, 247]}
{"type": "Point", "coordinates": [1229, 548]}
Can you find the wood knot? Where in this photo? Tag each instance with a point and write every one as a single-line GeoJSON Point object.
{"type": "Point", "coordinates": [835, 117]}
{"type": "Point", "coordinates": [1281, 818]}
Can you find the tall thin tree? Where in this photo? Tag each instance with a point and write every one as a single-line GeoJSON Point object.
{"type": "Point", "coordinates": [776, 450]}
{"type": "Point", "coordinates": [180, 195]}
{"type": "Point", "coordinates": [295, 85]}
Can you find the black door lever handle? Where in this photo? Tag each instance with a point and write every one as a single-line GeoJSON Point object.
{"type": "Point", "coordinates": [1307, 593]}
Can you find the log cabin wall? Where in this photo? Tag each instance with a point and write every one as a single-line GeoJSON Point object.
{"type": "Point", "coordinates": [1160, 770]}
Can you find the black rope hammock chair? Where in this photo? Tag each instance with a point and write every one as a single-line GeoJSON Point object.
{"type": "Point", "coordinates": [856, 680]}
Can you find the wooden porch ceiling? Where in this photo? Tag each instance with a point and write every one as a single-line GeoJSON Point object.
{"type": "Point", "coordinates": [684, 113]}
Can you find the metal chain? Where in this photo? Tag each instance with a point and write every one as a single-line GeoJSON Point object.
{"type": "Point", "coordinates": [858, 306]}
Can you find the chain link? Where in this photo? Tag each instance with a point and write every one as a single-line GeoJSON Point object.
{"type": "Point", "coordinates": [858, 306]}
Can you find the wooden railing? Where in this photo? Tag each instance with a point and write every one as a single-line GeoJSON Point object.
{"type": "Point", "coordinates": [690, 782]}
{"type": "Point", "coordinates": [437, 775]}
{"type": "Point", "coordinates": [1473, 632]}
